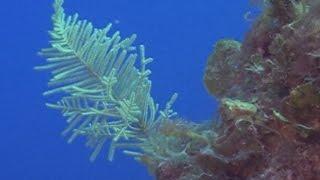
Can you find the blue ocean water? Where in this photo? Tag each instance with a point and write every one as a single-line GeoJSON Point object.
{"type": "Point", "coordinates": [178, 34]}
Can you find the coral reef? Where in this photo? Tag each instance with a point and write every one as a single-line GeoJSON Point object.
{"type": "Point", "coordinates": [268, 87]}
{"type": "Point", "coordinates": [269, 92]}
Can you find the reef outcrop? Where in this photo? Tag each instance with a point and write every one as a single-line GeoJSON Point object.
{"type": "Point", "coordinates": [269, 92]}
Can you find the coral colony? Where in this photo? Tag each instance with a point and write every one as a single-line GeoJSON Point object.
{"type": "Point", "coordinates": [268, 88]}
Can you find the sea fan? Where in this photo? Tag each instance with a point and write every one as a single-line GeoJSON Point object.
{"type": "Point", "coordinates": [104, 96]}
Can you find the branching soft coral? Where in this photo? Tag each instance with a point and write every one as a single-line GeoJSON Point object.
{"type": "Point", "coordinates": [104, 96]}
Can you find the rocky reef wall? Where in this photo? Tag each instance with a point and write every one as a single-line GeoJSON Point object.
{"type": "Point", "coordinates": [269, 90]}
